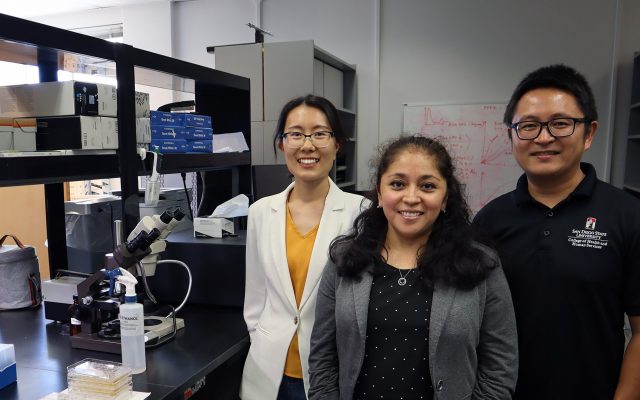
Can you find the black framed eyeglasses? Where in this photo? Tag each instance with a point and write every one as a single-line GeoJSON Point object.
{"type": "Point", "coordinates": [295, 140]}
{"type": "Point", "coordinates": [557, 127]}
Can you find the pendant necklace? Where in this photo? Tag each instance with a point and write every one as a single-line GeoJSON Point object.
{"type": "Point", "coordinates": [403, 279]}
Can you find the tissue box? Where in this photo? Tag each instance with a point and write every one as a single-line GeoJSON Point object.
{"type": "Point", "coordinates": [7, 365]}
{"type": "Point", "coordinates": [212, 227]}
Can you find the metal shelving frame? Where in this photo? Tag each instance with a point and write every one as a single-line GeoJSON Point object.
{"type": "Point", "coordinates": [222, 95]}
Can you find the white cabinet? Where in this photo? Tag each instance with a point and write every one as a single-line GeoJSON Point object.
{"type": "Point", "coordinates": [282, 71]}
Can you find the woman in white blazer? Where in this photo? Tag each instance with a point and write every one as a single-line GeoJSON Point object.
{"type": "Point", "coordinates": [288, 238]}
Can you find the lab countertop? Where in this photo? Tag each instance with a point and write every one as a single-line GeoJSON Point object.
{"type": "Point", "coordinates": [212, 335]}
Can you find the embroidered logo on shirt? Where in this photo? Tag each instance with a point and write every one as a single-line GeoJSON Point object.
{"type": "Point", "coordinates": [588, 237]}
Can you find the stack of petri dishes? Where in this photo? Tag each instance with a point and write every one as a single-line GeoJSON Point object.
{"type": "Point", "coordinates": [99, 380]}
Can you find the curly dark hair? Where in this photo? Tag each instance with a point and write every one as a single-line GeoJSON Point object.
{"type": "Point", "coordinates": [449, 254]}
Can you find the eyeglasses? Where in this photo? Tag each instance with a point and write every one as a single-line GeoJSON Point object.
{"type": "Point", "coordinates": [557, 127]}
{"type": "Point", "coordinates": [295, 140]}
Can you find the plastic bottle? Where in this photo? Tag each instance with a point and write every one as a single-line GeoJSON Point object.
{"type": "Point", "coordinates": [132, 327]}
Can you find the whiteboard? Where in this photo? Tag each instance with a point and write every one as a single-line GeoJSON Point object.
{"type": "Point", "coordinates": [477, 141]}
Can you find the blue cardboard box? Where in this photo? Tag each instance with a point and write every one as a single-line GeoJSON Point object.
{"type": "Point", "coordinates": [195, 133]}
{"type": "Point", "coordinates": [8, 375]}
{"type": "Point", "coordinates": [167, 132]}
{"type": "Point", "coordinates": [166, 118]}
{"type": "Point", "coordinates": [166, 146]}
{"type": "Point", "coordinates": [200, 121]}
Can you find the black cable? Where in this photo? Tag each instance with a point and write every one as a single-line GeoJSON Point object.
{"type": "Point", "coordinates": [186, 192]}
{"type": "Point", "coordinates": [63, 272]}
{"type": "Point", "coordinates": [143, 275]}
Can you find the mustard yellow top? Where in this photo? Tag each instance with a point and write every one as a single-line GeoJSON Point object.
{"type": "Point", "coordinates": [299, 248]}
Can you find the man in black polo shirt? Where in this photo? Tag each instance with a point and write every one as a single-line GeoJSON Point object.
{"type": "Point", "coordinates": [570, 247]}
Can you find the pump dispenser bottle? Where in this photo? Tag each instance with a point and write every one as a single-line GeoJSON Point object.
{"type": "Point", "coordinates": [132, 326]}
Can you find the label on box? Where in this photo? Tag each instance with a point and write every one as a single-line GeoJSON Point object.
{"type": "Point", "coordinates": [167, 132]}
{"type": "Point", "coordinates": [200, 146]}
{"type": "Point", "coordinates": [107, 100]}
{"type": "Point", "coordinates": [201, 121]}
{"type": "Point", "coordinates": [169, 146]}
{"type": "Point", "coordinates": [166, 118]}
{"type": "Point", "coordinates": [109, 132]}
{"type": "Point", "coordinates": [195, 133]}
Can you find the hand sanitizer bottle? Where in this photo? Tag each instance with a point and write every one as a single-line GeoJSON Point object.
{"type": "Point", "coordinates": [132, 327]}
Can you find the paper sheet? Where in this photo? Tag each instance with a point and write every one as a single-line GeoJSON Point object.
{"type": "Point", "coordinates": [229, 143]}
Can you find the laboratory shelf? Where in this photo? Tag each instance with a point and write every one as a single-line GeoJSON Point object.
{"type": "Point", "coordinates": [15, 171]}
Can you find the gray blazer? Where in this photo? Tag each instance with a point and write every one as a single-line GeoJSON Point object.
{"type": "Point", "coordinates": [473, 350]}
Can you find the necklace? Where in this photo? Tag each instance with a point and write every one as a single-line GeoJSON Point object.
{"type": "Point", "coordinates": [403, 279]}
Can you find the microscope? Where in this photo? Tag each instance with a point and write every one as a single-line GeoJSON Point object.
{"type": "Point", "coordinates": [97, 303]}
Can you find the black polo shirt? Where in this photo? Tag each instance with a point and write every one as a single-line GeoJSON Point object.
{"type": "Point", "coordinates": [573, 271]}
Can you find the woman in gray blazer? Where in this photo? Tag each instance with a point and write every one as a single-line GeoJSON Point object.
{"type": "Point", "coordinates": [410, 306]}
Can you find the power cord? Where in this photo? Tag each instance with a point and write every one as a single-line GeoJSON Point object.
{"type": "Point", "coordinates": [184, 301]}
{"type": "Point", "coordinates": [147, 290]}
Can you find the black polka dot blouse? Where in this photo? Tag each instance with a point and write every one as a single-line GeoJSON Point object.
{"type": "Point", "coordinates": [396, 361]}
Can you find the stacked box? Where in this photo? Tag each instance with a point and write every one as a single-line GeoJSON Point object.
{"type": "Point", "coordinates": [180, 133]}
{"type": "Point", "coordinates": [57, 99]}
{"type": "Point", "coordinates": [69, 115]}
{"type": "Point", "coordinates": [69, 133]}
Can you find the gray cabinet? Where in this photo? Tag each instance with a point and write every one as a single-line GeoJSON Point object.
{"type": "Point", "coordinates": [632, 169]}
{"type": "Point", "coordinates": [282, 71]}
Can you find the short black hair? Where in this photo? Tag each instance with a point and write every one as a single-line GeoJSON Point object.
{"type": "Point", "coordinates": [559, 77]}
{"type": "Point", "coordinates": [314, 101]}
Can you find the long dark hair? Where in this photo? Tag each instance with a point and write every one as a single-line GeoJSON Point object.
{"type": "Point", "coordinates": [450, 253]}
{"type": "Point", "coordinates": [314, 101]}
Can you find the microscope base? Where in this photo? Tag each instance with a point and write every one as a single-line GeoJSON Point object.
{"type": "Point", "coordinates": [155, 328]}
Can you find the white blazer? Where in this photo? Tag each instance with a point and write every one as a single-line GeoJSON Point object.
{"type": "Point", "coordinates": [270, 309]}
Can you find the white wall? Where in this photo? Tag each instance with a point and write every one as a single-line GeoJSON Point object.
{"type": "Point", "coordinates": [348, 30]}
{"type": "Point", "coordinates": [437, 51]}
{"type": "Point", "coordinates": [202, 23]}
{"type": "Point", "coordinates": [146, 26]}
{"type": "Point", "coordinates": [459, 52]}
